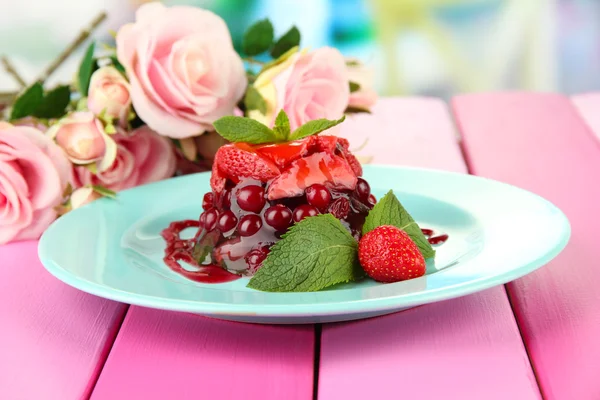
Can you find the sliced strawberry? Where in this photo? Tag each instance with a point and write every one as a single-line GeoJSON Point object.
{"type": "Point", "coordinates": [329, 144]}
{"type": "Point", "coordinates": [329, 170]}
{"type": "Point", "coordinates": [240, 160]}
{"type": "Point", "coordinates": [283, 154]}
{"type": "Point", "coordinates": [217, 179]}
{"type": "Point", "coordinates": [354, 164]}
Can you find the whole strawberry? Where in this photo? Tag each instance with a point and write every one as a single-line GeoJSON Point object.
{"type": "Point", "coordinates": [388, 254]}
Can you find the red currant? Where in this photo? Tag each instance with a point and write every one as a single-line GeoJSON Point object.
{"type": "Point", "coordinates": [227, 221]}
{"type": "Point", "coordinates": [278, 216]}
{"type": "Point", "coordinates": [208, 201]}
{"type": "Point", "coordinates": [202, 220]}
{"type": "Point", "coordinates": [224, 200]}
{"type": "Point", "coordinates": [304, 211]}
{"type": "Point", "coordinates": [251, 198]}
{"type": "Point", "coordinates": [363, 190]}
{"type": "Point", "coordinates": [210, 219]}
{"type": "Point", "coordinates": [318, 195]}
{"type": "Point", "coordinates": [372, 200]}
{"type": "Point", "coordinates": [249, 225]}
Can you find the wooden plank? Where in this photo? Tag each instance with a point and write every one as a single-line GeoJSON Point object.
{"type": "Point", "coordinates": [539, 142]}
{"type": "Point", "coordinates": [170, 355]}
{"type": "Point", "coordinates": [588, 106]}
{"type": "Point", "coordinates": [465, 348]}
{"type": "Point", "coordinates": [54, 339]}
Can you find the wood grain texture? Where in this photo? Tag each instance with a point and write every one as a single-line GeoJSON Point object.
{"type": "Point", "coordinates": [54, 339]}
{"type": "Point", "coordinates": [169, 355]}
{"type": "Point", "coordinates": [588, 106]}
{"type": "Point", "coordinates": [540, 143]}
{"type": "Point", "coordinates": [465, 348]}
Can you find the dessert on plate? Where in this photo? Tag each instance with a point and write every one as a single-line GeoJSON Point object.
{"type": "Point", "coordinates": [263, 190]}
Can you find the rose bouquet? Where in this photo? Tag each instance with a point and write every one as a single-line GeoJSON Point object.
{"type": "Point", "coordinates": [144, 110]}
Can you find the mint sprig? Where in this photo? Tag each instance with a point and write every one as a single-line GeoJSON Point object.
{"type": "Point", "coordinates": [315, 253]}
{"type": "Point", "coordinates": [389, 211]}
{"type": "Point", "coordinates": [244, 129]}
{"type": "Point", "coordinates": [315, 126]}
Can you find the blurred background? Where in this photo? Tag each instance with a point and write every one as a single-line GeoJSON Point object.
{"type": "Point", "coordinates": [416, 47]}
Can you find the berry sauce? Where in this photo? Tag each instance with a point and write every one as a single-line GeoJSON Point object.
{"type": "Point", "coordinates": [182, 250]}
{"type": "Point", "coordinates": [433, 238]}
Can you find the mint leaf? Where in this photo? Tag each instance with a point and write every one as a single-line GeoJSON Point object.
{"type": "Point", "coordinates": [389, 211]}
{"type": "Point", "coordinates": [254, 101]}
{"type": "Point", "coordinates": [315, 253]}
{"type": "Point", "coordinates": [86, 68]}
{"type": "Point", "coordinates": [242, 129]}
{"type": "Point", "coordinates": [104, 191]}
{"type": "Point", "coordinates": [27, 101]}
{"type": "Point", "coordinates": [258, 38]}
{"type": "Point", "coordinates": [54, 104]}
{"type": "Point", "coordinates": [204, 245]}
{"type": "Point", "coordinates": [289, 40]}
{"type": "Point", "coordinates": [282, 126]}
{"type": "Point", "coordinates": [315, 126]}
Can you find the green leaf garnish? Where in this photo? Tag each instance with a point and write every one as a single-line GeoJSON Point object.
{"type": "Point", "coordinates": [316, 253]}
{"type": "Point", "coordinates": [289, 40]}
{"type": "Point", "coordinates": [254, 101]}
{"type": "Point", "coordinates": [27, 102]}
{"type": "Point", "coordinates": [242, 129]}
{"type": "Point", "coordinates": [54, 104]}
{"type": "Point", "coordinates": [282, 126]}
{"type": "Point", "coordinates": [258, 38]}
{"type": "Point", "coordinates": [86, 68]}
{"type": "Point", "coordinates": [389, 211]}
{"type": "Point", "coordinates": [104, 191]}
{"type": "Point", "coordinates": [354, 87]}
{"type": "Point", "coordinates": [313, 127]}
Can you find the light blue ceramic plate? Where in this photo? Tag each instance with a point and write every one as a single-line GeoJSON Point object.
{"type": "Point", "coordinates": [112, 248]}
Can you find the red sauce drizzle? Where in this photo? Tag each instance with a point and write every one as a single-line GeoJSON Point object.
{"type": "Point", "coordinates": [181, 250]}
{"type": "Point", "coordinates": [434, 240]}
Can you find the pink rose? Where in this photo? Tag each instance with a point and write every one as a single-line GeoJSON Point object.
{"type": "Point", "coordinates": [142, 157]}
{"type": "Point", "coordinates": [365, 97]}
{"type": "Point", "coordinates": [109, 94]}
{"type": "Point", "coordinates": [307, 86]}
{"type": "Point", "coordinates": [83, 138]}
{"type": "Point", "coordinates": [183, 70]}
{"type": "Point", "coordinates": [34, 172]}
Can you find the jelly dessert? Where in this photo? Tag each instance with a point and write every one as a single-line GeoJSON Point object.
{"type": "Point", "coordinates": [259, 191]}
{"type": "Point", "coordinates": [292, 211]}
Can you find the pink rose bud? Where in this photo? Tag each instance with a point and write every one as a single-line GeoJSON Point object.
{"type": "Point", "coordinates": [83, 196]}
{"type": "Point", "coordinates": [109, 94]}
{"type": "Point", "coordinates": [365, 97]}
{"type": "Point", "coordinates": [83, 138]}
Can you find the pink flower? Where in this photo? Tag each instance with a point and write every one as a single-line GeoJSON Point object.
{"type": "Point", "coordinates": [83, 138]}
{"type": "Point", "coordinates": [109, 94]}
{"type": "Point", "coordinates": [142, 157]}
{"type": "Point", "coordinates": [365, 97]}
{"type": "Point", "coordinates": [183, 70]}
{"type": "Point", "coordinates": [34, 172]}
{"type": "Point", "coordinates": [307, 86]}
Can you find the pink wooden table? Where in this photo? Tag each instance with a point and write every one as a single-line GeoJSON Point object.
{"type": "Point", "coordinates": [535, 338]}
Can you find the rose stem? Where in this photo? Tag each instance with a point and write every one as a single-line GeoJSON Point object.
{"type": "Point", "coordinates": [10, 69]}
{"type": "Point", "coordinates": [78, 41]}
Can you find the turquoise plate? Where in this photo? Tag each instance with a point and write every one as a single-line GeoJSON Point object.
{"type": "Point", "coordinates": [498, 233]}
